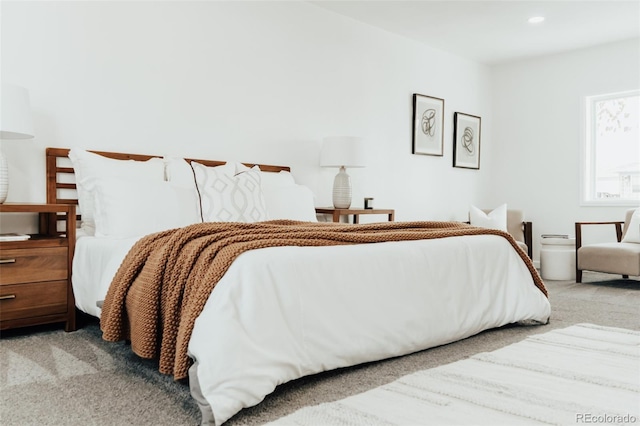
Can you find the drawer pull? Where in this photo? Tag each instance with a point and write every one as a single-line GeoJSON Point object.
{"type": "Point", "coordinates": [8, 296]}
{"type": "Point", "coordinates": [2, 261]}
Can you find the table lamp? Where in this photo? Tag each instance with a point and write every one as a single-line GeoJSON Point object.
{"type": "Point", "coordinates": [16, 122]}
{"type": "Point", "coordinates": [342, 152]}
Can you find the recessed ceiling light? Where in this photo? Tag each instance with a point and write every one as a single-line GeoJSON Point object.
{"type": "Point", "coordinates": [536, 19]}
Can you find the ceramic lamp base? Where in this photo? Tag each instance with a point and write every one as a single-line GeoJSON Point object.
{"type": "Point", "coordinates": [342, 190]}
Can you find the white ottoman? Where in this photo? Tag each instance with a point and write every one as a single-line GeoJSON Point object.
{"type": "Point", "coordinates": [558, 259]}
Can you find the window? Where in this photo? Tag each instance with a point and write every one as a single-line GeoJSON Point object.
{"type": "Point", "coordinates": [611, 173]}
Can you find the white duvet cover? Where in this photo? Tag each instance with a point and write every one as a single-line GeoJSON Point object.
{"type": "Point", "coordinates": [95, 262]}
{"type": "Point", "coordinates": [285, 312]}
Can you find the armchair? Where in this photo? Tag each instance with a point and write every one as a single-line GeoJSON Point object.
{"type": "Point", "coordinates": [620, 257]}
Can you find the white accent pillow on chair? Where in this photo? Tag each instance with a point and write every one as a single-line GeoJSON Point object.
{"type": "Point", "coordinates": [496, 219]}
{"type": "Point", "coordinates": [632, 234]}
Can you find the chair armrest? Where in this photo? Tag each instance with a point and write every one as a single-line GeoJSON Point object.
{"type": "Point", "coordinates": [579, 225]}
{"type": "Point", "coordinates": [527, 227]}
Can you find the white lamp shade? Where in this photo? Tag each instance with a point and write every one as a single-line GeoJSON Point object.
{"type": "Point", "coordinates": [16, 121]}
{"type": "Point", "coordinates": [343, 151]}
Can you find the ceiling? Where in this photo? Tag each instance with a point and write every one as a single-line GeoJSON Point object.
{"type": "Point", "coordinates": [494, 32]}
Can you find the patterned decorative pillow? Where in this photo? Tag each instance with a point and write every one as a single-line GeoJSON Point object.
{"type": "Point", "coordinates": [225, 197]}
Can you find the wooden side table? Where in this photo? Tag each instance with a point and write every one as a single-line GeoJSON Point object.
{"type": "Point", "coordinates": [35, 279]}
{"type": "Point", "coordinates": [336, 213]}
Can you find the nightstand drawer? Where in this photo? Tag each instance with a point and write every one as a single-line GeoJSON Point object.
{"type": "Point", "coordinates": [32, 300]}
{"type": "Point", "coordinates": [33, 265]}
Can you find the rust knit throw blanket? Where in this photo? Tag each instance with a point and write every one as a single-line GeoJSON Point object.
{"type": "Point", "coordinates": [165, 280]}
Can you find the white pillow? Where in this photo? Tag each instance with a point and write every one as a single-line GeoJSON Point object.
{"type": "Point", "coordinates": [126, 208]}
{"type": "Point", "coordinates": [496, 219]}
{"type": "Point", "coordinates": [632, 234]}
{"type": "Point", "coordinates": [179, 172]}
{"type": "Point", "coordinates": [225, 198]}
{"type": "Point", "coordinates": [294, 202]}
{"type": "Point", "coordinates": [270, 180]}
{"type": "Point", "coordinates": [88, 165]}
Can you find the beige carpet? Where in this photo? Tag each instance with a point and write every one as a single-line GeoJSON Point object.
{"type": "Point", "coordinates": [49, 377]}
{"type": "Point", "coordinates": [579, 374]}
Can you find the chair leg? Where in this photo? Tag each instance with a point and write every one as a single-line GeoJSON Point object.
{"type": "Point", "coordinates": [578, 275]}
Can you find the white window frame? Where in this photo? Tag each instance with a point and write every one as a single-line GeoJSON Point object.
{"type": "Point", "coordinates": [587, 147]}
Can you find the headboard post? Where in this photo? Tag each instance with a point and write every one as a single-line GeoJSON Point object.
{"type": "Point", "coordinates": [49, 223]}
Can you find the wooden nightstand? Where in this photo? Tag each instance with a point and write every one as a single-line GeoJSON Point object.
{"type": "Point", "coordinates": [35, 283]}
{"type": "Point", "coordinates": [336, 213]}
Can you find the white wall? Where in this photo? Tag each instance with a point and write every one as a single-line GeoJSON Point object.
{"type": "Point", "coordinates": [534, 159]}
{"type": "Point", "coordinates": [250, 81]}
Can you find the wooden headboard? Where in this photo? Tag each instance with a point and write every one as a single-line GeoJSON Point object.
{"type": "Point", "coordinates": [61, 177]}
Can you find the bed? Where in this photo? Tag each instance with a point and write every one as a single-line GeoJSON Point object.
{"type": "Point", "coordinates": [297, 297]}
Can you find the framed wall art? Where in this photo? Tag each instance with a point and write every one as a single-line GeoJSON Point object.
{"type": "Point", "coordinates": [428, 125]}
{"type": "Point", "coordinates": [466, 141]}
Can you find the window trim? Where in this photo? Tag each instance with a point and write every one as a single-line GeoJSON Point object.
{"type": "Point", "coordinates": [587, 160]}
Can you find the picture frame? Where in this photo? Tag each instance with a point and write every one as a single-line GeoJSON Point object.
{"type": "Point", "coordinates": [467, 130]}
{"type": "Point", "coordinates": [428, 125]}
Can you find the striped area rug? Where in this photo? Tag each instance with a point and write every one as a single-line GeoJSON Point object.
{"type": "Point", "coordinates": [583, 374]}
